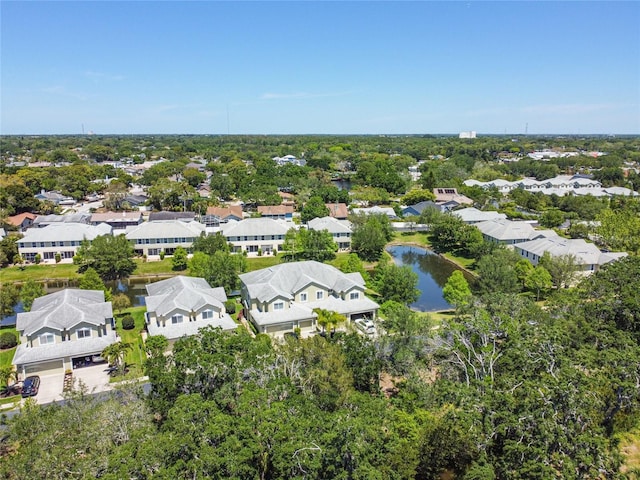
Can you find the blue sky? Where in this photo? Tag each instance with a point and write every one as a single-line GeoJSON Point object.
{"type": "Point", "coordinates": [320, 67]}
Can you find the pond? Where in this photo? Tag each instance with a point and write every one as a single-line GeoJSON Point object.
{"type": "Point", "coordinates": [134, 288]}
{"type": "Point", "coordinates": [433, 272]}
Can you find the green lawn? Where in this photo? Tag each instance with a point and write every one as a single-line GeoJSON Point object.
{"type": "Point", "coordinates": [154, 268]}
{"type": "Point", "coordinates": [257, 263]}
{"type": "Point", "coordinates": [6, 356]}
{"type": "Point", "coordinates": [467, 263]}
{"type": "Point", "coordinates": [411, 237]}
{"type": "Point", "coordinates": [135, 357]}
{"type": "Point", "coordinates": [38, 272]}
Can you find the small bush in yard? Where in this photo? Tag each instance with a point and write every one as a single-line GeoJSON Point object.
{"type": "Point", "coordinates": [230, 306]}
{"type": "Point", "coordinates": [128, 323]}
{"type": "Point", "coordinates": [8, 340]}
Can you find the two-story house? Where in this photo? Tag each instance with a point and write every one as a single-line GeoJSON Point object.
{"type": "Point", "coordinates": [276, 212]}
{"type": "Point", "coordinates": [587, 256]}
{"type": "Point", "coordinates": [63, 239]}
{"type": "Point", "coordinates": [182, 305]}
{"type": "Point", "coordinates": [164, 236]}
{"type": "Point", "coordinates": [508, 232]}
{"type": "Point", "coordinates": [254, 235]}
{"type": "Point", "coordinates": [282, 298]}
{"type": "Point", "coordinates": [340, 230]}
{"type": "Point", "coordinates": [62, 328]}
{"type": "Point", "coordinates": [117, 220]}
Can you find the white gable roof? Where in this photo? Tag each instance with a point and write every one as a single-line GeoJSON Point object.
{"type": "Point", "coordinates": [64, 310]}
{"type": "Point", "coordinates": [586, 253]}
{"type": "Point", "coordinates": [183, 293]}
{"type": "Point", "coordinates": [255, 226]}
{"type": "Point", "coordinates": [331, 224]}
{"type": "Point", "coordinates": [65, 232]}
{"type": "Point", "coordinates": [288, 278]}
{"type": "Point", "coordinates": [472, 214]}
{"type": "Point", "coordinates": [166, 229]}
{"type": "Point", "coordinates": [505, 230]}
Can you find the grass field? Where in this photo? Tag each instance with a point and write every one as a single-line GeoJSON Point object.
{"type": "Point", "coordinates": [6, 356]}
{"type": "Point", "coordinates": [134, 357]}
{"type": "Point", "coordinates": [39, 273]}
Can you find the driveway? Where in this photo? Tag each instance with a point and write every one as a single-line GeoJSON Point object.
{"type": "Point", "coordinates": [95, 378]}
{"type": "Point", "coordinates": [50, 388]}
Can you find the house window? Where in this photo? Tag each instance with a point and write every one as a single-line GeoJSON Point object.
{"type": "Point", "coordinates": [47, 339]}
{"type": "Point", "coordinates": [84, 333]}
{"type": "Point", "coordinates": [278, 306]}
{"type": "Point", "coordinates": [354, 295]}
{"type": "Point", "coordinates": [176, 319]}
{"type": "Point", "coordinates": [207, 314]}
{"type": "Point", "coordinates": [319, 295]}
{"type": "Point", "coordinates": [303, 297]}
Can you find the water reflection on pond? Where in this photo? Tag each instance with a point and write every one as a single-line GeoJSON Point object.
{"type": "Point", "coordinates": [433, 272]}
{"type": "Point", "coordinates": [134, 288]}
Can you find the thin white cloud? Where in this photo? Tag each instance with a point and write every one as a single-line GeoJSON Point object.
{"type": "Point", "coordinates": [303, 95]}
{"type": "Point", "coordinates": [64, 92]}
{"type": "Point", "coordinates": [103, 76]}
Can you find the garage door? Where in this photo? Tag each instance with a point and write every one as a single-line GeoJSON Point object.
{"type": "Point", "coordinates": [45, 368]}
{"type": "Point", "coordinates": [284, 327]}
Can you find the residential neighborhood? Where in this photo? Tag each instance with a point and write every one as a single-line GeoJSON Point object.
{"type": "Point", "coordinates": [320, 240]}
{"type": "Point", "coordinates": [148, 279]}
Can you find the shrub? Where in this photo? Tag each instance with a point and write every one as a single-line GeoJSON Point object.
{"type": "Point", "coordinates": [38, 259]}
{"type": "Point", "coordinates": [162, 254]}
{"type": "Point", "coordinates": [58, 257]}
{"type": "Point", "coordinates": [128, 323]}
{"type": "Point", "coordinates": [8, 340]}
{"type": "Point", "coordinates": [230, 305]}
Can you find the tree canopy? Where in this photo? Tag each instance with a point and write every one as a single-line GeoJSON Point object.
{"type": "Point", "coordinates": [110, 256]}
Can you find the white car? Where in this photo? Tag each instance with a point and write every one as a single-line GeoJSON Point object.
{"type": "Point", "coordinates": [365, 325]}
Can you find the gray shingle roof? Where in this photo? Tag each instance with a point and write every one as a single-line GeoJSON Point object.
{"type": "Point", "coordinates": [65, 232]}
{"type": "Point", "coordinates": [186, 328]}
{"type": "Point", "coordinates": [332, 225]}
{"type": "Point", "coordinates": [183, 293]}
{"type": "Point", "coordinates": [586, 253]}
{"type": "Point", "coordinates": [288, 278]}
{"type": "Point", "coordinates": [255, 226]}
{"type": "Point", "coordinates": [506, 230]}
{"type": "Point", "coordinates": [65, 309]}
{"type": "Point", "coordinates": [165, 229]}
{"type": "Point", "coordinates": [75, 348]}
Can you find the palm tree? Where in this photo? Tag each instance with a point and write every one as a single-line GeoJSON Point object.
{"type": "Point", "coordinates": [328, 318]}
{"type": "Point", "coordinates": [114, 354]}
{"type": "Point", "coordinates": [7, 373]}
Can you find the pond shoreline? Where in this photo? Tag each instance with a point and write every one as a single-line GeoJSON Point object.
{"type": "Point", "coordinates": [426, 247]}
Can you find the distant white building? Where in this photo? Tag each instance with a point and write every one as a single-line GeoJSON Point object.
{"type": "Point", "coordinates": [559, 185]}
{"type": "Point", "coordinates": [58, 238]}
{"type": "Point", "coordinates": [340, 230]}
{"type": "Point", "coordinates": [290, 159]}
{"type": "Point", "coordinates": [254, 235]}
{"type": "Point", "coordinates": [472, 215]}
{"type": "Point", "coordinates": [376, 210]}
{"type": "Point", "coordinates": [471, 134]}
{"type": "Point", "coordinates": [587, 255]}
{"type": "Point", "coordinates": [153, 238]}
{"type": "Point", "coordinates": [508, 232]}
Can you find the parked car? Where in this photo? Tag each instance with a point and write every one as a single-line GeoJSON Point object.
{"type": "Point", "coordinates": [365, 325]}
{"type": "Point", "coordinates": [30, 386]}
